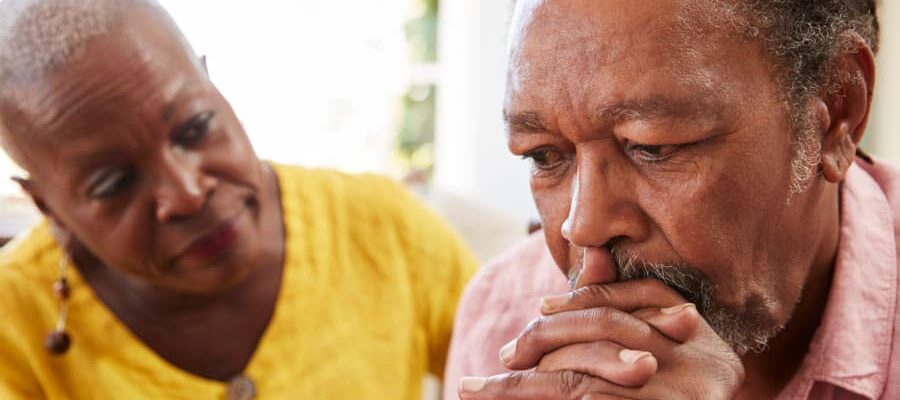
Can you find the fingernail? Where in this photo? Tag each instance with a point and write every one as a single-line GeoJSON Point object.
{"type": "Point", "coordinates": [631, 357]}
{"type": "Point", "coordinates": [472, 384]}
{"type": "Point", "coordinates": [551, 303]}
{"type": "Point", "coordinates": [677, 309]}
{"type": "Point", "coordinates": [508, 351]}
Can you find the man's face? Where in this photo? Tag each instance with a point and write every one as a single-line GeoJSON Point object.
{"type": "Point", "coordinates": [658, 135]}
{"type": "Point", "coordinates": [133, 150]}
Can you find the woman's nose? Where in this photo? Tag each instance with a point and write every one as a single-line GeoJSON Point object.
{"type": "Point", "coordinates": [182, 190]}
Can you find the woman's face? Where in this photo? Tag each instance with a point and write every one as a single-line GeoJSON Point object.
{"type": "Point", "coordinates": [134, 152]}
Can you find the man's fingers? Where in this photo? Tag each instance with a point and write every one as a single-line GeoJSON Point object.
{"type": "Point", "coordinates": [549, 333]}
{"type": "Point", "coordinates": [679, 323]}
{"type": "Point", "coordinates": [627, 296]}
{"type": "Point", "coordinates": [528, 385]}
{"type": "Point", "coordinates": [604, 397]}
{"type": "Point", "coordinates": [597, 267]}
{"type": "Point", "coordinates": [605, 360]}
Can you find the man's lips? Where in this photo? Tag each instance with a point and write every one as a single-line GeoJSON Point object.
{"type": "Point", "coordinates": [215, 241]}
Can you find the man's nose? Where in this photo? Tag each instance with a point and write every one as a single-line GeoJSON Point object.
{"type": "Point", "coordinates": [602, 207]}
{"type": "Point", "coordinates": [182, 187]}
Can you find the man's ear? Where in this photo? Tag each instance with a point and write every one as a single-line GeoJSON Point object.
{"type": "Point", "coordinates": [847, 96]}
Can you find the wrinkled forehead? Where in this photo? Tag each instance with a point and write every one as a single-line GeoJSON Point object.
{"type": "Point", "coordinates": [118, 76]}
{"type": "Point", "coordinates": [570, 43]}
{"type": "Point", "coordinates": [543, 30]}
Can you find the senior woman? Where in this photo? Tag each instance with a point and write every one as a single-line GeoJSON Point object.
{"type": "Point", "coordinates": [174, 264]}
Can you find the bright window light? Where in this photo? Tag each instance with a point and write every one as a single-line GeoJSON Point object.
{"type": "Point", "coordinates": [315, 82]}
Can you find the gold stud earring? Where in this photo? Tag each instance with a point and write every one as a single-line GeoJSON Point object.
{"type": "Point", "coordinates": [58, 341]}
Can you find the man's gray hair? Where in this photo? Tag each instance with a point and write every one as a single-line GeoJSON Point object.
{"type": "Point", "coordinates": [802, 37]}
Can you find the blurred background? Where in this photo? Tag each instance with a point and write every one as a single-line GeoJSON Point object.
{"type": "Point", "coordinates": [408, 88]}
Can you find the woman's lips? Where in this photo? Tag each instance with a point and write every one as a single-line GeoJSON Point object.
{"type": "Point", "coordinates": [214, 243]}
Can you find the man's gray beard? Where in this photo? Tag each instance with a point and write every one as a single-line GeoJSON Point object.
{"type": "Point", "coordinates": [746, 329]}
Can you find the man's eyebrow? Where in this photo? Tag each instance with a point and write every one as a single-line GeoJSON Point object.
{"type": "Point", "coordinates": [622, 111]}
{"type": "Point", "coordinates": [526, 121]}
{"type": "Point", "coordinates": [616, 112]}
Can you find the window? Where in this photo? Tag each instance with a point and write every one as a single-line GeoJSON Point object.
{"type": "Point", "coordinates": [349, 84]}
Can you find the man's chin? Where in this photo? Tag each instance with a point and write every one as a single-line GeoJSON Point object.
{"type": "Point", "coordinates": [746, 329]}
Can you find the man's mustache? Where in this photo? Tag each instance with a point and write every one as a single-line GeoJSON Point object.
{"type": "Point", "coordinates": [745, 328]}
{"type": "Point", "coordinates": [691, 283]}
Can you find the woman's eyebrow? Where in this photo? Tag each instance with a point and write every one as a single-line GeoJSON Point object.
{"type": "Point", "coordinates": [168, 111]}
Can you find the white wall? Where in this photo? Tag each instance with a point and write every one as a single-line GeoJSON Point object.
{"type": "Point", "coordinates": [884, 132]}
{"type": "Point", "coordinates": [312, 83]}
{"type": "Point", "coordinates": [471, 158]}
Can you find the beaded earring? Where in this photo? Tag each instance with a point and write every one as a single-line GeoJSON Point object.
{"type": "Point", "coordinates": [58, 341]}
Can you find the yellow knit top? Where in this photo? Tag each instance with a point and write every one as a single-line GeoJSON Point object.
{"type": "Point", "coordinates": [370, 285]}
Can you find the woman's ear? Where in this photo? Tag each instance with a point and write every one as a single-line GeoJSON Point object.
{"type": "Point", "coordinates": [63, 235]}
{"type": "Point", "coordinates": [28, 187]}
{"type": "Point", "coordinates": [848, 98]}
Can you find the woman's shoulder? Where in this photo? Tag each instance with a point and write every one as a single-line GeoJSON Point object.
{"type": "Point", "coordinates": [27, 271]}
{"type": "Point", "coordinates": [356, 192]}
{"type": "Point", "coordinates": [294, 174]}
{"type": "Point", "coordinates": [368, 208]}
{"type": "Point", "coordinates": [29, 256]}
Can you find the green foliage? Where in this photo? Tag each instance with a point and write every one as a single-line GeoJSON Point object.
{"type": "Point", "coordinates": [421, 31]}
{"type": "Point", "coordinates": [414, 149]}
{"type": "Point", "coordinates": [416, 122]}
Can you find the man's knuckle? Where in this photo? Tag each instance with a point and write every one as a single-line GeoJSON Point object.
{"type": "Point", "coordinates": [601, 315]}
{"type": "Point", "coordinates": [513, 381]}
{"type": "Point", "coordinates": [593, 294]}
{"type": "Point", "coordinates": [733, 373]}
{"type": "Point", "coordinates": [573, 384]}
{"type": "Point", "coordinates": [534, 332]}
{"type": "Point", "coordinates": [645, 313]}
{"type": "Point", "coordinates": [654, 288]}
{"type": "Point", "coordinates": [723, 378]}
{"type": "Point", "coordinates": [618, 322]}
{"type": "Point", "coordinates": [727, 369]}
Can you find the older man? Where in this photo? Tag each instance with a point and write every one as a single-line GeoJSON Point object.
{"type": "Point", "coordinates": [695, 167]}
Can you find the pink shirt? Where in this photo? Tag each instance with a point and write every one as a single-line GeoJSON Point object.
{"type": "Point", "coordinates": [855, 353]}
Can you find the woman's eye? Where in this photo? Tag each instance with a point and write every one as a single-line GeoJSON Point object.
{"type": "Point", "coordinates": [109, 183]}
{"type": "Point", "coordinates": [545, 159]}
{"type": "Point", "coordinates": [652, 153]}
{"type": "Point", "coordinates": [194, 130]}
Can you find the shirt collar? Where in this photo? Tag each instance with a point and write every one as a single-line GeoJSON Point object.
{"type": "Point", "coordinates": [852, 346]}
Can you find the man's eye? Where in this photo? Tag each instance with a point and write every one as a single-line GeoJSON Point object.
{"type": "Point", "coordinates": [651, 153]}
{"type": "Point", "coordinates": [545, 159]}
{"type": "Point", "coordinates": [109, 183]}
{"type": "Point", "coordinates": [194, 130]}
